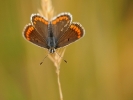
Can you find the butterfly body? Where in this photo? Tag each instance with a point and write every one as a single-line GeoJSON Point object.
{"type": "Point", "coordinates": [51, 41]}
{"type": "Point", "coordinates": [58, 32]}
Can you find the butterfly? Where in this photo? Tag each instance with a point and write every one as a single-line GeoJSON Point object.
{"type": "Point", "coordinates": [60, 31]}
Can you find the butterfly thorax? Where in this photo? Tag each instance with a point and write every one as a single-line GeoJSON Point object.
{"type": "Point", "coordinates": [51, 44]}
{"type": "Point", "coordinates": [51, 39]}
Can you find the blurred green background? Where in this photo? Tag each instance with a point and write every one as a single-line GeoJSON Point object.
{"type": "Point", "coordinates": [100, 65]}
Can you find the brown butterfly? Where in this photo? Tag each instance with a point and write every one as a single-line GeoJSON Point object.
{"type": "Point", "coordinates": [58, 32]}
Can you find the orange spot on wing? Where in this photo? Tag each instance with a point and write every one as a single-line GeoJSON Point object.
{"type": "Point", "coordinates": [54, 22]}
{"type": "Point", "coordinates": [71, 26]}
{"type": "Point", "coordinates": [41, 20]}
{"type": "Point", "coordinates": [57, 20]}
{"type": "Point", "coordinates": [34, 22]}
{"type": "Point", "coordinates": [60, 19]}
{"type": "Point", "coordinates": [79, 36]}
{"type": "Point", "coordinates": [28, 32]}
{"type": "Point", "coordinates": [77, 30]}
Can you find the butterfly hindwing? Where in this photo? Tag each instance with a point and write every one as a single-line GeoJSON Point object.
{"type": "Point", "coordinates": [73, 33]}
{"type": "Point", "coordinates": [33, 36]}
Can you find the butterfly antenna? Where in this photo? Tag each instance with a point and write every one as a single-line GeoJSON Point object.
{"type": "Point", "coordinates": [43, 59]}
{"type": "Point", "coordinates": [61, 57]}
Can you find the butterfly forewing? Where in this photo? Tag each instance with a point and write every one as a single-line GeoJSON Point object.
{"type": "Point", "coordinates": [60, 24]}
{"type": "Point", "coordinates": [33, 36]}
{"type": "Point", "coordinates": [74, 32]}
{"type": "Point", "coordinates": [41, 25]}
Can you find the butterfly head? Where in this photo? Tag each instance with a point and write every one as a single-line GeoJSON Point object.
{"type": "Point", "coordinates": [51, 50]}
